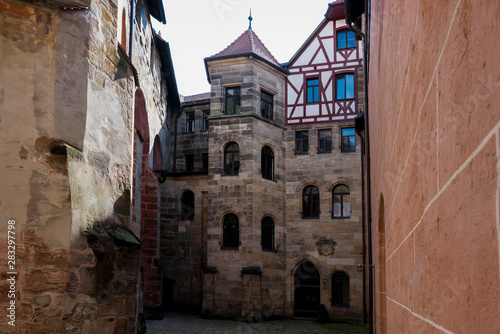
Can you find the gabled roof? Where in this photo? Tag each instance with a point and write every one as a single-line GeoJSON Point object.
{"type": "Point", "coordinates": [167, 70]}
{"type": "Point", "coordinates": [335, 11]}
{"type": "Point", "coordinates": [248, 42]}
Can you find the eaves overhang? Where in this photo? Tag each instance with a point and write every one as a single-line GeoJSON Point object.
{"type": "Point", "coordinates": [167, 70]}
{"type": "Point", "coordinates": [245, 54]}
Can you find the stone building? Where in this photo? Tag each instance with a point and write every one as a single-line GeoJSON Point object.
{"type": "Point", "coordinates": [86, 87]}
{"type": "Point", "coordinates": [261, 209]}
{"type": "Point", "coordinates": [433, 157]}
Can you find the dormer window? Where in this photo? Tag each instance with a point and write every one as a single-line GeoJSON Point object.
{"type": "Point", "coordinates": [345, 40]}
{"type": "Point", "coordinates": [233, 101]}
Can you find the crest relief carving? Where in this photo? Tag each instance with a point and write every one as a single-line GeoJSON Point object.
{"type": "Point", "coordinates": [326, 247]}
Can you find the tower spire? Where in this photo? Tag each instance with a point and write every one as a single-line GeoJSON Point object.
{"type": "Point", "coordinates": [250, 20]}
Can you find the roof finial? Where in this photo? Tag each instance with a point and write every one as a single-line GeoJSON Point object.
{"type": "Point", "coordinates": [250, 20]}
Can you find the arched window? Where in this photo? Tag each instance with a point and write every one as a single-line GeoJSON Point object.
{"type": "Point", "coordinates": [310, 202]}
{"type": "Point", "coordinates": [187, 205]}
{"type": "Point", "coordinates": [230, 232]}
{"type": "Point", "coordinates": [341, 202]}
{"type": "Point", "coordinates": [231, 159]}
{"type": "Point", "coordinates": [267, 163]}
{"type": "Point", "coordinates": [340, 289]}
{"type": "Point", "coordinates": [157, 158]}
{"type": "Point", "coordinates": [267, 236]}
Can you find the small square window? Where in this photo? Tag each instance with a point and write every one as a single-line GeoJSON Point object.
{"type": "Point", "coordinates": [312, 90]}
{"type": "Point", "coordinates": [348, 140]}
{"type": "Point", "coordinates": [190, 122]}
{"type": "Point", "coordinates": [345, 40]}
{"type": "Point", "coordinates": [301, 142]}
{"type": "Point", "coordinates": [325, 141]}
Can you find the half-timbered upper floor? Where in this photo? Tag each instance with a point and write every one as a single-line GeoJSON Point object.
{"type": "Point", "coordinates": [322, 85]}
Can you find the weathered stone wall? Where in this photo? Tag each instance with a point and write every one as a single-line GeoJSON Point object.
{"type": "Point", "coordinates": [434, 134]}
{"type": "Point", "coordinates": [247, 195]}
{"type": "Point", "coordinates": [305, 236]}
{"type": "Point", "coordinates": [194, 143]}
{"type": "Point", "coordinates": [67, 101]}
{"type": "Point", "coordinates": [183, 242]}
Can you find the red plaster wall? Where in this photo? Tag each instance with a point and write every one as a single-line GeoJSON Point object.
{"type": "Point", "coordinates": [434, 92]}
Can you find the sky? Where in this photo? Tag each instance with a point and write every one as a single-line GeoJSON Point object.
{"type": "Point", "coordinates": [197, 29]}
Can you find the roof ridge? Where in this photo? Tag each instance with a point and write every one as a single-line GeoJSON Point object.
{"type": "Point", "coordinates": [251, 40]}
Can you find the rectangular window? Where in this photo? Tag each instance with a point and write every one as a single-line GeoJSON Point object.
{"type": "Point", "coordinates": [312, 90]}
{"type": "Point", "coordinates": [205, 120]}
{"type": "Point", "coordinates": [190, 122]}
{"type": "Point", "coordinates": [301, 142]}
{"type": "Point", "coordinates": [189, 162]}
{"type": "Point", "coordinates": [266, 105]}
{"type": "Point", "coordinates": [345, 40]}
{"type": "Point", "coordinates": [325, 141]}
{"type": "Point", "coordinates": [204, 161]}
{"type": "Point", "coordinates": [232, 101]}
{"type": "Point", "coordinates": [348, 140]}
{"type": "Point", "coordinates": [344, 86]}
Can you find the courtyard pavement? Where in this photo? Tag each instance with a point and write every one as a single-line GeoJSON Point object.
{"type": "Point", "coordinates": [179, 323]}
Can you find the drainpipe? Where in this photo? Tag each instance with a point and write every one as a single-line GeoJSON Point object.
{"type": "Point", "coordinates": [175, 138]}
{"type": "Point", "coordinates": [131, 29]}
{"type": "Point", "coordinates": [366, 47]}
{"type": "Point", "coordinates": [368, 167]}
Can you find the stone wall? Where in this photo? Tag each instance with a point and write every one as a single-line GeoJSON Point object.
{"type": "Point", "coordinates": [183, 242]}
{"type": "Point", "coordinates": [247, 195]}
{"type": "Point", "coordinates": [67, 112]}
{"type": "Point", "coordinates": [305, 237]}
{"type": "Point", "coordinates": [434, 134]}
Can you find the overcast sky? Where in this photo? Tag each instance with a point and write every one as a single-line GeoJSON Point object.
{"type": "Point", "coordinates": [197, 29]}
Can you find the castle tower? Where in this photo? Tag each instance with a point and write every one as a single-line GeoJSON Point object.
{"type": "Point", "coordinates": [246, 181]}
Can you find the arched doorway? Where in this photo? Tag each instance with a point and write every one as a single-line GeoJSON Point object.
{"type": "Point", "coordinates": [306, 282]}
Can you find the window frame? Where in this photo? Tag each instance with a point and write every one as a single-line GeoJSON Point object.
{"type": "Point", "coordinates": [190, 121]}
{"type": "Point", "coordinates": [340, 290]}
{"type": "Point", "coordinates": [205, 124]}
{"type": "Point", "coordinates": [267, 234]}
{"type": "Point", "coordinates": [344, 76]}
{"type": "Point", "coordinates": [325, 144]}
{"type": "Point", "coordinates": [349, 148]}
{"type": "Point", "coordinates": [230, 240]}
{"type": "Point", "coordinates": [312, 96]}
{"type": "Point", "coordinates": [236, 106]}
{"type": "Point", "coordinates": [186, 211]}
{"type": "Point", "coordinates": [342, 196]}
{"type": "Point", "coordinates": [204, 161]}
{"type": "Point", "coordinates": [188, 162]}
{"type": "Point", "coordinates": [234, 156]}
{"type": "Point", "coordinates": [267, 163]}
{"type": "Point", "coordinates": [311, 206]}
{"type": "Point", "coordinates": [346, 45]}
{"type": "Point", "coordinates": [266, 106]}
{"type": "Point", "coordinates": [301, 143]}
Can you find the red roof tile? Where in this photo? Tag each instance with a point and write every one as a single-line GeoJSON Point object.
{"type": "Point", "coordinates": [248, 42]}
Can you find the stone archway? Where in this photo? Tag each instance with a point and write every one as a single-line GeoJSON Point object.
{"type": "Point", "coordinates": [306, 282]}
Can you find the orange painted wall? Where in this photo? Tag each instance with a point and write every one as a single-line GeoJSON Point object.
{"type": "Point", "coordinates": [434, 100]}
